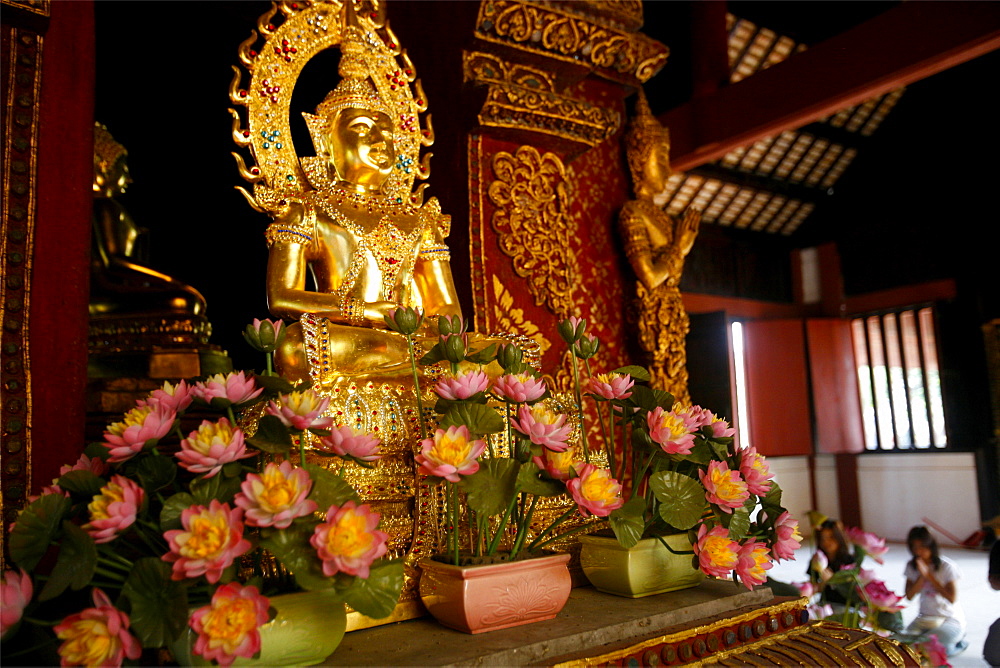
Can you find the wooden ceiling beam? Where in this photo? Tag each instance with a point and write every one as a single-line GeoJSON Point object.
{"type": "Point", "coordinates": [903, 45]}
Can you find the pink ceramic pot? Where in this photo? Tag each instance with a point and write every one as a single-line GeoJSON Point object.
{"type": "Point", "coordinates": [475, 599]}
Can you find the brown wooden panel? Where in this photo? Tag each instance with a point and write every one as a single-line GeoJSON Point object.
{"type": "Point", "coordinates": [834, 386]}
{"type": "Point", "coordinates": [777, 387]}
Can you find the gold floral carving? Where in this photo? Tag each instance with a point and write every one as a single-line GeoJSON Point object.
{"type": "Point", "coordinates": [511, 319]}
{"type": "Point", "coordinates": [614, 53]}
{"type": "Point", "coordinates": [533, 224]}
{"type": "Point", "coordinates": [524, 98]}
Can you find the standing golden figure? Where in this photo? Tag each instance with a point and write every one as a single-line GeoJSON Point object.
{"type": "Point", "coordinates": [656, 245]}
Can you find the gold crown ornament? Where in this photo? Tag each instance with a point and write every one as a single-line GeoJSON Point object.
{"type": "Point", "coordinates": [107, 151]}
{"type": "Point", "coordinates": [375, 73]}
{"type": "Point", "coordinates": [644, 133]}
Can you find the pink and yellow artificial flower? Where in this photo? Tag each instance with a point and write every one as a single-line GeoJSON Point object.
{"type": "Point", "coordinates": [755, 471]}
{"type": "Point", "coordinates": [97, 636]}
{"type": "Point", "coordinates": [721, 428]}
{"type": "Point", "coordinates": [543, 426]}
{"type": "Point", "coordinates": [211, 446]}
{"type": "Point", "coordinates": [233, 388]}
{"type": "Point", "coordinates": [301, 410]}
{"type": "Point", "coordinates": [450, 454]}
{"type": "Point", "coordinates": [880, 597]}
{"type": "Point", "coordinates": [462, 386]}
{"type": "Point", "coordinates": [673, 431]}
{"type": "Point", "coordinates": [348, 541]}
{"type": "Point", "coordinates": [175, 397]}
{"type": "Point", "coordinates": [229, 626]}
{"type": "Point", "coordinates": [276, 497]}
{"type": "Point", "coordinates": [873, 545]}
{"type": "Point", "coordinates": [752, 563]}
{"type": "Point", "coordinates": [786, 528]}
{"type": "Point", "coordinates": [595, 491]}
{"type": "Point", "coordinates": [349, 442]}
{"type": "Point", "coordinates": [519, 388]}
{"type": "Point", "coordinates": [142, 424]}
{"type": "Point", "coordinates": [611, 385]}
{"type": "Point", "coordinates": [95, 465]}
{"type": "Point", "coordinates": [114, 509]}
{"type": "Point", "coordinates": [15, 594]}
{"type": "Point", "coordinates": [717, 553]}
{"type": "Point", "coordinates": [211, 540]}
{"type": "Point", "coordinates": [558, 465]}
{"type": "Point", "coordinates": [807, 588]}
{"type": "Point", "coordinates": [723, 487]}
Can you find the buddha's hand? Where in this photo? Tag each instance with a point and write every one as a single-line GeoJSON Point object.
{"type": "Point", "coordinates": [687, 230]}
{"type": "Point", "coordinates": [375, 313]}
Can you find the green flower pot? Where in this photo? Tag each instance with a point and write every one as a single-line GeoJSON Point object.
{"type": "Point", "coordinates": [647, 568]}
{"type": "Point", "coordinates": [308, 628]}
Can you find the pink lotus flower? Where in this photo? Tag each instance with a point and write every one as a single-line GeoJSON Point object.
{"type": "Point", "coordinates": [723, 487]}
{"type": "Point", "coordinates": [611, 385]}
{"type": "Point", "coordinates": [879, 596]}
{"type": "Point", "coordinates": [450, 454]}
{"type": "Point", "coordinates": [49, 489]}
{"type": "Point", "coordinates": [819, 561]}
{"type": "Point", "coordinates": [721, 428]}
{"type": "Point", "coordinates": [595, 491]}
{"type": "Point", "coordinates": [348, 542]}
{"type": "Point", "coordinates": [557, 464]}
{"type": "Point", "coordinates": [873, 545]}
{"type": "Point", "coordinates": [208, 544]}
{"type": "Point", "coordinates": [228, 627]}
{"type": "Point", "coordinates": [753, 562]}
{"type": "Point", "coordinates": [301, 410]}
{"type": "Point", "coordinates": [717, 553]}
{"type": "Point", "coordinates": [347, 442]}
{"type": "Point", "coordinates": [543, 426]}
{"type": "Point", "coordinates": [462, 386]}
{"type": "Point", "coordinates": [127, 438]}
{"type": "Point", "coordinates": [277, 496]}
{"type": "Point", "coordinates": [806, 588]}
{"type": "Point", "coordinates": [211, 446]}
{"type": "Point", "coordinates": [817, 611]}
{"type": "Point", "coordinates": [696, 416]}
{"type": "Point", "coordinates": [755, 472]}
{"type": "Point", "coordinates": [85, 463]}
{"type": "Point", "coordinates": [175, 397]}
{"type": "Point", "coordinates": [15, 593]}
{"type": "Point", "coordinates": [672, 431]}
{"type": "Point", "coordinates": [519, 387]}
{"type": "Point", "coordinates": [97, 636]}
{"type": "Point", "coordinates": [934, 652]}
{"type": "Point", "coordinates": [786, 528]}
{"type": "Point", "coordinates": [233, 388]}
{"type": "Point", "coordinates": [114, 509]}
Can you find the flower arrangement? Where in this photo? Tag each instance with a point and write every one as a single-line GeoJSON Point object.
{"type": "Point", "coordinates": [868, 602]}
{"type": "Point", "coordinates": [683, 473]}
{"type": "Point", "coordinates": [152, 531]}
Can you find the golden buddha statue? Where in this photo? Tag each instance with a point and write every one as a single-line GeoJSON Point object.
{"type": "Point", "coordinates": [120, 282]}
{"type": "Point", "coordinates": [656, 245]}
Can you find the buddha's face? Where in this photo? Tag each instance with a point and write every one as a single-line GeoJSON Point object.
{"type": "Point", "coordinates": [656, 171]}
{"type": "Point", "coordinates": [114, 181]}
{"type": "Point", "coordinates": [362, 147]}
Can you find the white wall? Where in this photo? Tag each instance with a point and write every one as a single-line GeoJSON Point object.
{"type": "Point", "coordinates": [898, 490]}
{"type": "Point", "coordinates": [792, 474]}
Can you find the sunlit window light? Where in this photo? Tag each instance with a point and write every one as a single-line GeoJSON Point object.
{"type": "Point", "coordinates": [742, 414]}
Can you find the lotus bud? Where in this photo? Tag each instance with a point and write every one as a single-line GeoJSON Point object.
{"type": "Point", "coordinates": [452, 325]}
{"type": "Point", "coordinates": [454, 347]}
{"type": "Point", "coordinates": [572, 329]}
{"type": "Point", "coordinates": [586, 347]}
{"type": "Point", "coordinates": [405, 320]}
{"type": "Point", "coordinates": [510, 357]}
{"type": "Point", "coordinates": [265, 335]}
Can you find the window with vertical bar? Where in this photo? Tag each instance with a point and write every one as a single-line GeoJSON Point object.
{"type": "Point", "coordinates": [898, 380]}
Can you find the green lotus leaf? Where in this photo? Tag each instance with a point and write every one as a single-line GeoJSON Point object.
{"type": "Point", "coordinates": [377, 595]}
{"type": "Point", "coordinates": [271, 436]}
{"type": "Point", "coordinates": [37, 526]}
{"type": "Point", "coordinates": [739, 524]}
{"type": "Point", "coordinates": [75, 565]}
{"type": "Point", "coordinates": [156, 472]}
{"type": "Point", "coordinates": [528, 480]}
{"type": "Point", "coordinates": [477, 418]}
{"type": "Point", "coordinates": [170, 514]}
{"type": "Point", "coordinates": [637, 372]}
{"type": "Point", "coordinates": [84, 483]}
{"type": "Point", "coordinates": [682, 499]}
{"type": "Point", "coordinates": [292, 548]}
{"type": "Point", "coordinates": [490, 489]}
{"type": "Point", "coordinates": [329, 489]}
{"type": "Point", "coordinates": [218, 488]}
{"type": "Point", "coordinates": [159, 605]}
{"type": "Point", "coordinates": [628, 522]}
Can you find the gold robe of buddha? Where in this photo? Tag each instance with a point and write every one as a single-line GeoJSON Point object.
{"type": "Point", "coordinates": [656, 245]}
